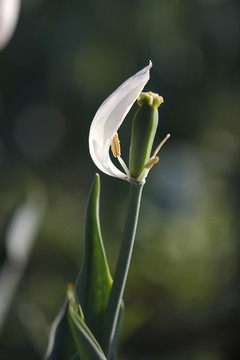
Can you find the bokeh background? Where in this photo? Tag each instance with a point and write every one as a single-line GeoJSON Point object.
{"type": "Point", "coordinates": [183, 292]}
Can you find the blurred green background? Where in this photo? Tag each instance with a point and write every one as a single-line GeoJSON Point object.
{"type": "Point", "coordinates": [183, 292]}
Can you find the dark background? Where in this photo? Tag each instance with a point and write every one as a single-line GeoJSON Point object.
{"type": "Point", "coordinates": [183, 292]}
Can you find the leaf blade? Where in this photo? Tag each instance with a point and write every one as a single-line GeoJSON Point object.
{"type": "Point", "coordinates": [61, 344]}
{"type": "Point", "coordinates": [94, 282]}
{"type": "Point", "coordinates": [87, 346]}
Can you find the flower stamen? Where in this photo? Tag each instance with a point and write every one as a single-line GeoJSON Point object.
{"type": "Point", "coordinates": [115, 146]}
{"type": "Point", "coordinates": [160, 145]}
{"type": "Point", "coordinates": [116, 151]}
{"type": "Point", "coordinates": [123, 165]}
{"type": "Point", "coordinates": [151, 162]}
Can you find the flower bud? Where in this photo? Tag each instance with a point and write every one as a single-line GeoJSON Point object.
{"type": "Point", "coordinates": [144, 128]}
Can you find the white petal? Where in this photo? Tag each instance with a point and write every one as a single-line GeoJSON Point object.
{"type": "Point", "coordinates": [9, 12]}
{"type": "Point", "coordinates": [110, 116]}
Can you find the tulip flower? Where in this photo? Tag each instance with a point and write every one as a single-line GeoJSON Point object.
{"type": "Point", "coordinates": [103, 136]}
{"type": "Point", "coordinates": [109, 117]}
{"type": "Point", "coordinates": [95, 303]}
{"type": "Point", "coordinates": [9, 13]}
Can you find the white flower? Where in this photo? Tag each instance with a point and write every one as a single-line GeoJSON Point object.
{"type": "Point", "coordinates": [109, 118]}
{"type": "Point", "coordinates": [9, 12]}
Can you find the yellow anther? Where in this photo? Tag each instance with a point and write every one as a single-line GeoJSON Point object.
{"type": "Point", "coordinates": [115, 146]}
{"type": "Point", "coordinates": [151, 162]}
{"type": "Point", "coordinates": [160, 145]}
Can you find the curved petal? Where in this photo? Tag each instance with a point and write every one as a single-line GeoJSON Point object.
{"type": "Point", "coordinates": [109, 118]}
{"type": "Point", "coordinates": [9, 12]}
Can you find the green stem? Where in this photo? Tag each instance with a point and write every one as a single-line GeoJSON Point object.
{"type": "Point", "coordinates": [122, 267]}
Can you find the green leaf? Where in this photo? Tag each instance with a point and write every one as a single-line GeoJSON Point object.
{"type": "Point", "coordinates": [61, 343]}
{"type": "Point", "coordinates": [87, 346]}
{"type": "Point", "coordinates": [94, 282]}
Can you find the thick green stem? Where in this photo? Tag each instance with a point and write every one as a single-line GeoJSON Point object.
{"type": "Point", "coordinates": [122, 268]}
